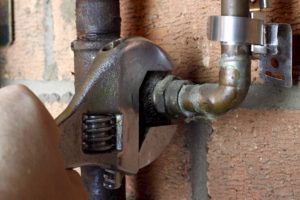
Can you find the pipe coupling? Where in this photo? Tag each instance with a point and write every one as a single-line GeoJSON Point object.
{"type": "Point", "coordinates": [165, 96]}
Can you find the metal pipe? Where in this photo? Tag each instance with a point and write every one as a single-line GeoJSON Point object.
{"type": "Point", "coordinates": [234, 75]}
{"type": "Point", "coordinates": [234, 78]}
{"type": "Point", "coordinates": [93, 178]}
{"type": "Point", "coordinates": [98, 22]}
{"type": "Point", "coordinates": [234, 82]}
{"type": "Point", "coordinates": [237, 8]}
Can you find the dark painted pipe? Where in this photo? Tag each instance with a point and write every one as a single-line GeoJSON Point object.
{"type": "Point", "coordinates": [96, 19]}
{"type": "Point", "coordinates": [92, 177]}
{"type": "Point", "coordinates": [98, 22]}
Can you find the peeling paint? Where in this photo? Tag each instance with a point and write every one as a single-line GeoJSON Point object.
{"type": "Point", "coordinates": [205, 61]}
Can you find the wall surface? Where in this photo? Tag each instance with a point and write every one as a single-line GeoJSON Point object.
{"type": "Point", "coordinates": [249, 153]}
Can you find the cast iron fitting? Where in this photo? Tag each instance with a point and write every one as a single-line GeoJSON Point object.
{"type": "Point", "coordinates": [234, 81]}
{"type": "Point", "coordinates": [98, 22]}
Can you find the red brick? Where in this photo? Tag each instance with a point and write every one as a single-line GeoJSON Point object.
{"type": "Point", "coordinates": [254, 154]}
{"type": "Point", "coordinates": [25, 58]}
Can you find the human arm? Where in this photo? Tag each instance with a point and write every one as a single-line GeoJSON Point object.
{"type": "Point", "coordinates": [31, 165]}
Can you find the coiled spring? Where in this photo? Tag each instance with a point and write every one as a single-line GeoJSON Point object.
{"type": "Point", "coordinates": [98, 133]}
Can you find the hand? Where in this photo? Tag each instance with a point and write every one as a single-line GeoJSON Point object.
{"type": "Point", "coordinates": [31, 165]}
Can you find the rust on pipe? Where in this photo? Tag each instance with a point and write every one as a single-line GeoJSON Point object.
{"type": "Point", "coordinates": [234, 82]}
{"type": "Point", "coordinates": [97, 19]}
{"type": "Point", "coordinates": [234, 76]}
{"type": "Point", "coordinates": [98, 22]}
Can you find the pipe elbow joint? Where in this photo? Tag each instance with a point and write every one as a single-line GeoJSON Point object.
{"type": "Point", "coordinates": [212, 100]}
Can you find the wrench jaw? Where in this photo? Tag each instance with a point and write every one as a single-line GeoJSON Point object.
{"type": "Point", "coordinates": [112, 88]}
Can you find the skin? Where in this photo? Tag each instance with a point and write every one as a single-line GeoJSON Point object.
{"type": "Point", "coordinates": [31, 165]}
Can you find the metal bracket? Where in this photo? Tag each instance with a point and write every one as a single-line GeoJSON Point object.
{"type": "Point", "coordinates": [270, 43]}
{"type": "Point", "coordinates": [276, 60]}
{"type": "Point", "coordinates": [275, 55]}
{"type": "Point", "coordinates": [235, 30]}
{"type": "Point", "coordinates": [5, 22]}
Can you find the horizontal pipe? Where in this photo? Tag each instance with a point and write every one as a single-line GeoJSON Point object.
{"type": "Point", "coordinates": [234, 82]}
{"type": "Point", "coordinates": [234, 78]}
{"type": "Point", "coordinates": [234, 75]}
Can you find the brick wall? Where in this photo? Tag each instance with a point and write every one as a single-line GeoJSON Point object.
{"type": "Point", "coordinates": [250, 153]}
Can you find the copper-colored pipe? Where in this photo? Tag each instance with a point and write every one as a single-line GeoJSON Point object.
{"type": "Point", "coordinates": [234, 82]}
{"type": "Point", "coordinates": [234, 77]}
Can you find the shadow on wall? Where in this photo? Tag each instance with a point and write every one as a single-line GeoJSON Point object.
{"type": "Point", "coordinates": [181, 171]}
{"type": "Point", "coordinates": [167, 177]}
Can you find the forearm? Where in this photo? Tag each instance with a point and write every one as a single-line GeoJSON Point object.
{"type": "Point", "coordinates": [30, 162]}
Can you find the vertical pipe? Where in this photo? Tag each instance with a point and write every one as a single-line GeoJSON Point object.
{"type": "Point", "coordinates": [96, 19]}
{"type": "Point", "coordinates": [92, 177]}
{"type": "Point", "coordinates": [237, 8]}
{"type": "Point", "coordinates": [98, 22]}
{"type": "Point", "coordinates": [234, 76]}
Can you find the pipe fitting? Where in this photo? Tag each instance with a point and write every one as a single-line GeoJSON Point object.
{"type": "Point", "coordinates": [182, 97]}
{"type": "Point", "coordinates": [171, 97]}
{"type": "Point", "coordinates": [158, 96]}
{"type": "Point", "coordinates": [234, 82]}
{"type": "Point", "coordinates": [165, 96]}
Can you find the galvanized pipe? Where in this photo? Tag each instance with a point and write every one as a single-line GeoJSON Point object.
{"type": "Point", "coordinates": [98, 22]}
{"type": "Point", "coordinates": [234, 78]}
